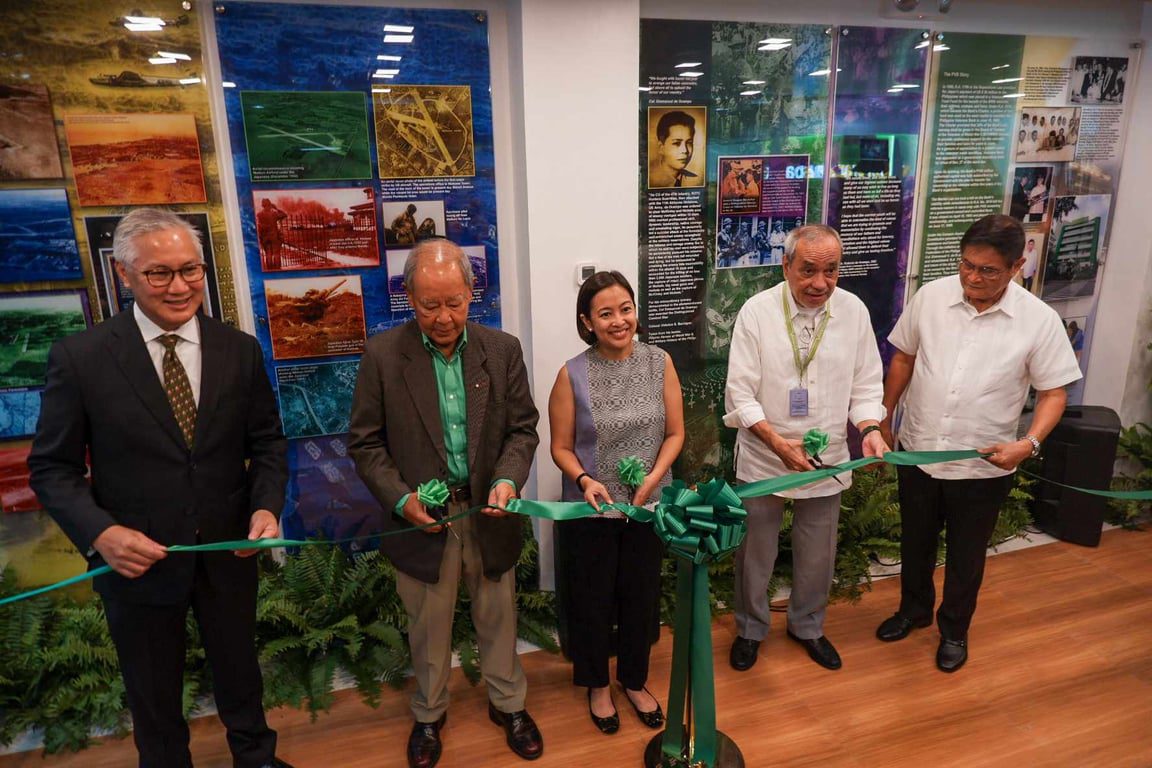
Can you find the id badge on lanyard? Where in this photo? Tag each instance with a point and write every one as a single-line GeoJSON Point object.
{"type": "Point", "coordinates": [798, 395]}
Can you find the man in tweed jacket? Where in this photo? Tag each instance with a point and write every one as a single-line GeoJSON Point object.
{"type": "Point", "coordinates": [442, 398]}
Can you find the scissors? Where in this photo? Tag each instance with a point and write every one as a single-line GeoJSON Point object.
{"type": "Point", "coordinates": [818, 463]}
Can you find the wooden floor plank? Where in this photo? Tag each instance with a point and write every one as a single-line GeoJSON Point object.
{"type": "Point", "coordinates": [1058, 676]}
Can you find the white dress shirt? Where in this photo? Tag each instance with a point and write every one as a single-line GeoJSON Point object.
{"type": "Point", "coordinates": [844, 382]}
{"type": "Point", "coordinates": [973, 370]}
{"type": "Point", "coordinates": [188, 349]}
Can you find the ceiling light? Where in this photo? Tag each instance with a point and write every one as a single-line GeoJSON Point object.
{"type": "Point", "coordinates": [180, 56]}
{"type": "Point", "coordinates": [924, 44]}
{"type": "Point", "coordinates": [1014, 95]}
{"type": "Point", "coordinates": [688, 65]}
{"type": "Point", "coordinates": [228, 84]}
{"type": "Point", "coordinates": [750, 93]}
{"type": "Point", "coordinates": [386, 57]}
{"type": "Point", "coordinates": [775, 40]}
{"type": "Point", "coordinates": [189, 81]}
{"type": "Point", "coordinates": [691, 74]}
{"type": "Point", "coordinates": [1008, 80]}
{"type": "Point", "coordinates": [645, 88]}
{"type": "Point", "coordinates": [161, 60]}
{"type": "Point", "coordinates": [820, 73]}
{"type": "Point", "coordinates": [753, 82]}
{"type": "Point", "coordinates": [133, 26]}
{"type": "Point", "coordinates": [398, 38]}
{"type": "Point", "coordinates": [381, 90]}
{"type": "Point", "coordinates": [774, 47]}
{"type": "Point", "coordinates": [940, 47]}
{"type": "Point", "coordinates": [399, 28]}
{"type": "Point", "coordinates": [154, 20]}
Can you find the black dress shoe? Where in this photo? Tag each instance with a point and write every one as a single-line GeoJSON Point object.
{"type": "Point", "coordinates": [609, 724]}
{"type": "Point", "coordinates": [653, 719]}
{"type": "Point", "coordinates": [520, 731]}
{"type": "Point", "coordinates": [820, 651]}
{"type": "Point", "coordinates": [743, 653]}
{"type": "Point", "coordinates": [951, 654]}
{"type": "Point", "coordinates": [276, 763]}
{"type": "Point", "coordinates": [424, 743]}
{"type": "Point", "coordinates": [897, 627]}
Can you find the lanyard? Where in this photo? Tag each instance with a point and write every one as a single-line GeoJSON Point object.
{"type": "Point", "coordinates": [802, 367]}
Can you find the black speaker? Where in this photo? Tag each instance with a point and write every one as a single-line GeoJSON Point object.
{"type": "Point", "coordinates": [1080, 451]}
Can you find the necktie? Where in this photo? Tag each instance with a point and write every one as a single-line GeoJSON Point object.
{"type": "Point", "coordinates": [178, 389]}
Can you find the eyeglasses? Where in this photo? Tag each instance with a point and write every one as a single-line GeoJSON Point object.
{"type": "Point", "coordinates": [161, 277]}
{"type": "Point", "coordinates": [989, 272]}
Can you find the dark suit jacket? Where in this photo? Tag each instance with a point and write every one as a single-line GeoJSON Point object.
{"type": "Point", "coordinates": [397, 438]}
{"type": "Point", "coordinates": [103, 400]}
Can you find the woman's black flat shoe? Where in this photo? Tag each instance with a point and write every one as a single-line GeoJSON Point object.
{"type": "Point", "coordinates": [609, 724]}
{"type": "Point", "coordinates": [653, 719]}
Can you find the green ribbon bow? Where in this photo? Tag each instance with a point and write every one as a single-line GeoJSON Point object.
{"type": "Point", "coordinates": [815, 443]}
{"type": "Point", "coordinates": [698, 526]}
{"type": "Point", "coordinates": [433, 493]}
{"type": "Point", "coordinates": [630, 471]}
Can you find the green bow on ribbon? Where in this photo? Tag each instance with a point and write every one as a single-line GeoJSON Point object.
{"type": "Point", "coordinates": [815, 443]}
{"type": "Point", "coordinates": [433, 493]}
{"type": "Point", "coordinates": [630, 471]}
{"type": "Point", "coordinates": [698, 526]}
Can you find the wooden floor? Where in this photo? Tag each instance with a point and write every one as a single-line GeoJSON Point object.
{"type": "Point", "coordinates": [1060, 674]}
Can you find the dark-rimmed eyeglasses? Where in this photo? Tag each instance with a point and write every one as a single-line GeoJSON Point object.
{"type": "Point", "coordinates": [161, 277]}
{"type": "Point", "coordinates": [989, 272]}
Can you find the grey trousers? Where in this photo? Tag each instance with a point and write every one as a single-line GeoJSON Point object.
{"type": "Point", "coordinates": [814, 528]}
{"type": "Point", "coordinates": [430, 608]}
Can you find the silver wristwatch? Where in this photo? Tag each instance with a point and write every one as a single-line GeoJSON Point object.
{"type": "Point", "coordinates": [1035, 444]}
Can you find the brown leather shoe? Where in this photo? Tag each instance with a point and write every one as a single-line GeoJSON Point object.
{"type": "Point", "coordinates": [424, 743]}
{"type": "Point", "coordinates": [520, 731]}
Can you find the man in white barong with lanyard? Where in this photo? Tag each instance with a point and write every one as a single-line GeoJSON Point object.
{"type": "Point", "coordinates": [803, 357]}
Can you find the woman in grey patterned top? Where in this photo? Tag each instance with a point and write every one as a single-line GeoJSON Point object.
{"type": "Point", "coordinates": [619, 398]}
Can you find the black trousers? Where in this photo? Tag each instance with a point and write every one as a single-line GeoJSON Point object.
{"type": "Point", "coordinates": [613, 578]}
{"type": "Point", "coordinates": [967, 511]}
{"type": "Point", "coordinates": [150, 642]}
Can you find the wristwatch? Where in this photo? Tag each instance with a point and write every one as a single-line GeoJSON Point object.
{"type": "Point", "coordinates": [1035, 444]}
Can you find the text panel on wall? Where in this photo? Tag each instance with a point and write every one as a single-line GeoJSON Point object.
{"type": "Point", "coordinates": [356, 133]}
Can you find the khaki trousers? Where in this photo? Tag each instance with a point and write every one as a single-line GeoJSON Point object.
{"type": "Point", "coordinates": [430, 609]}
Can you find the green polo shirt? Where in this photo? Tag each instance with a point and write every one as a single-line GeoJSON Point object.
{"type": "Point", "coordinates": [453, 413]}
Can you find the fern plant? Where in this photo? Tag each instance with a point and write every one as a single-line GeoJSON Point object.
{"type": "Point", "coordinates": [1136, 445]}
{"type": "Point", "coordinates": [323, 611]}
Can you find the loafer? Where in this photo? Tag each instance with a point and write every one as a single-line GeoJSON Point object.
{"type": "Point", "coordinates": [424, 743]}
{"type": "Point", "coordinates": [653, 719]}
{"type": "Point", "coordinates": [951, 654]}
{"type": "Point", "coordinates": [897, 627]}
{"type": "Point", "coordinates": [820, 650]}
{"type": "Point", "coordinates": [743, 653]}
{"type": "Point", "coordinates": [520, 732]}
{"type": "Point", "coordinates": [609, 724]}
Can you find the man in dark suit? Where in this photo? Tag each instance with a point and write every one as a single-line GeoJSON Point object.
{"type": "Point", "coordinates": [442, 398]}
{"type": "Point", "coordinates": [173, 415]}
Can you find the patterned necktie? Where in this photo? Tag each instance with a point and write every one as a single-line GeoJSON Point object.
{"type": "Point", "coordinates": [178, 388]}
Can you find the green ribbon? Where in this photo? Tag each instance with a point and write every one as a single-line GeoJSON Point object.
{"type": "Point", "coordinates": [566, 510]}
{"type": "Point", "coordinates": [630, 471]}
{"type": "Point", "coordinates": [698, 526]}
{"type": "Point", "coordinates": [433, 493]}
{"type": "Point", "coordinates": [815, 442]}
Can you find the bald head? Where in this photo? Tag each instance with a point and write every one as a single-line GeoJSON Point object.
{"type": "Point", "coordinates": [437, 255]}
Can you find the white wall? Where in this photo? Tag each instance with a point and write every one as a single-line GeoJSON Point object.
{"type": "Point", "coordinates": [579, 68]}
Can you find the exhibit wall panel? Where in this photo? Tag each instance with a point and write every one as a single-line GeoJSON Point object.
{"type": "Point", "coordinates": [99, 114]}
{"type": "Point", "coordinates": [345, 158]}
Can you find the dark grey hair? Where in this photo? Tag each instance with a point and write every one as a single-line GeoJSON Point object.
{"type": "Point", "coordinates": [143, 221]}
{"type": "Point", "coordinates": [437, 246]}
{"type": "Point", "coordinates": [806, 234]}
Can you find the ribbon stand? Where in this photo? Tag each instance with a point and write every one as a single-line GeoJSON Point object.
{"type": "Point", "coordinates": [691, 739]}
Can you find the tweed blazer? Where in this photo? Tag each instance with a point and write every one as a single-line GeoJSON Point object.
{"type": "Point", "coordinates": [397, 437]}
